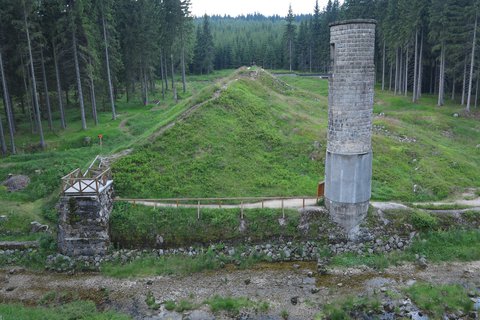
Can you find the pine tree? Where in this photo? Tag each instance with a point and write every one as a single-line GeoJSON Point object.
{"type": "Point", "coordinates": [204, 48]}
{"type": "Point", "coordinates": [289, 37]}
{"type": "Point", "coordinates": [27, 8]}
{"type": "Point", "coordinates": [52, 13]}
{"type": "Point", "coordinates": [4, 85]}
{"type": "Point", "coordinates": [106, 16]}
{"type": "Point", "coordinates": [472, 61]}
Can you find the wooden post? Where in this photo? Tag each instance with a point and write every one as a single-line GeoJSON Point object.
{"type": "Point", "coordinates": [198, 211]}
{"type": "Point", "coordinates": [220, 205]}
{"type": "Point", "coordinates": [283, 210]}
{"type": "Point", "coordinates": [177, 203]}
{"type": "Point", "coordinates": [241, 209]}
{"type": "Point", "coordinates": [262, 204]}
{"type": "Point", "coordinates": [303, 203]}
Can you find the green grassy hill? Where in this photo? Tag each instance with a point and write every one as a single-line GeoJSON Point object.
{"type": "Point", "coordinates": [266, 137]}
{"type": "Point", "coordinates": [257, 138]}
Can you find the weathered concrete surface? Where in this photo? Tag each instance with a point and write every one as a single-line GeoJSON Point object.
{"type": "Point", "coordinates": [348, 181]}
{"type": "Point", "coordinates": [83, 228]}
{"type": "Point", "coordinates": [348, 171]}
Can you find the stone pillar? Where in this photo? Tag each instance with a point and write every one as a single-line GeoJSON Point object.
{"type": "Point", "coordinates": [83, 227]}
{"type": "Point", "coordinates": [348, 169]}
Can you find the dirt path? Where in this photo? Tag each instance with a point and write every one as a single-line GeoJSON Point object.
{"type": "Point", "coordinates": [185, 114]}
{"type": "Point", "coordinates": [461, 202]}
{"type": "Point", "coordinates": [276, 284]}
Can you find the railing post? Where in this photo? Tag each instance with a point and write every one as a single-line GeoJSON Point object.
{"type": "Point", "coordinates": [303, 203]}
{"type": "Point", "coordinates": [177, 203]}
{"type": "Point", "coordinates": [241, 209]}
{"type": "Point", "coordinates": [198, 211]}
{"type": "Point", "coordinates": [283, 210]}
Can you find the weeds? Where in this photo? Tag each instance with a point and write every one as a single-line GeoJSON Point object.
{"type": "Point", "coordinates": [350, 308]}
{"type": "Point", "coordinates": [438, 299]}
{"type": "Point", "coordinates": [234, 305]}
{"type": "Point", "coordinates": [81, 310]}
{"type": "Point", "coordinates": [424, 221]}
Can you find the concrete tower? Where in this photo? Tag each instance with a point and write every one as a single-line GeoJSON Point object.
{"type": "Point", "coordinates": [348, 169]}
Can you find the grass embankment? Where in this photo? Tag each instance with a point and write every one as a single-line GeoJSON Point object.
{"type": "Point", "coordinates": [267, 137]}
{"type": "Point", "coordinates": [436, 246]}
{"type": "Point", "coordinates": [137, 226]}
{"type": "Point", "coordinates": [256, 139]}
{"type": "Point", "coordinates": [66, 149]}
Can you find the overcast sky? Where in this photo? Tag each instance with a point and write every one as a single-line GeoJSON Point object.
{"type": "Point", "coordinates": [265, 7]}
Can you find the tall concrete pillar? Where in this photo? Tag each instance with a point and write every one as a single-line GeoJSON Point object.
{"type": "Point", "coordinates": [348, 169]}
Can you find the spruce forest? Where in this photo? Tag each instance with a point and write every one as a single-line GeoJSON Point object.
{"type": "Point", "coordinates": [60, 57]}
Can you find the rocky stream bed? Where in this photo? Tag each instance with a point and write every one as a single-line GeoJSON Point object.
{"type": "Point", "coordinates": [293, 288]}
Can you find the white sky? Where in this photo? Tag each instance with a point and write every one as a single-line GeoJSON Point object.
{"type": "Point", "coordinates": [265, 7]}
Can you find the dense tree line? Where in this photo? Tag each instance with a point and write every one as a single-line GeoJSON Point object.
{"type": "Point", "coordinates": [60, 57]}
{"type": "Point", "coordinates": [423, 46]}
{"type": "Point", "coordinates": [299, 41]}
{"type": "Point", "coordinates": [67, 56]}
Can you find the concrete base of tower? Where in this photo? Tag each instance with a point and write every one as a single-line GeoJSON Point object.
{"type": "Point", "coordinates": [348, 189]}
{"type": "Point", "coordinates": [349, 216]}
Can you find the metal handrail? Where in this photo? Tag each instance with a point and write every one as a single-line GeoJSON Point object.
{"type": "Point", "coordinates": [91, 165]}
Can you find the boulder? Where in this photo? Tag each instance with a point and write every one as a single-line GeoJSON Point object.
{"type": "Point", "coordinates": [16, 182]}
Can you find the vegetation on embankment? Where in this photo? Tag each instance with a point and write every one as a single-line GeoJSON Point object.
{"type": "Point", "coordinates": [435, 246]}
{"type": "Point", "coordinates": [79, 310]}
{"type": "Point", "coordinates": [138, 226]}
{"type": "Point", "coordinates": [255, 139]}
{"type": "Point", "coordinates": [267, 137]}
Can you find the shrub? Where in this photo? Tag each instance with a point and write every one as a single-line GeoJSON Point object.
{"type": "Point", "coordinates": [48, 242]}
{"type": "Point", "coordinates": [150, 301]}
{"type": "Point", "coordinates": [424, 221]}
